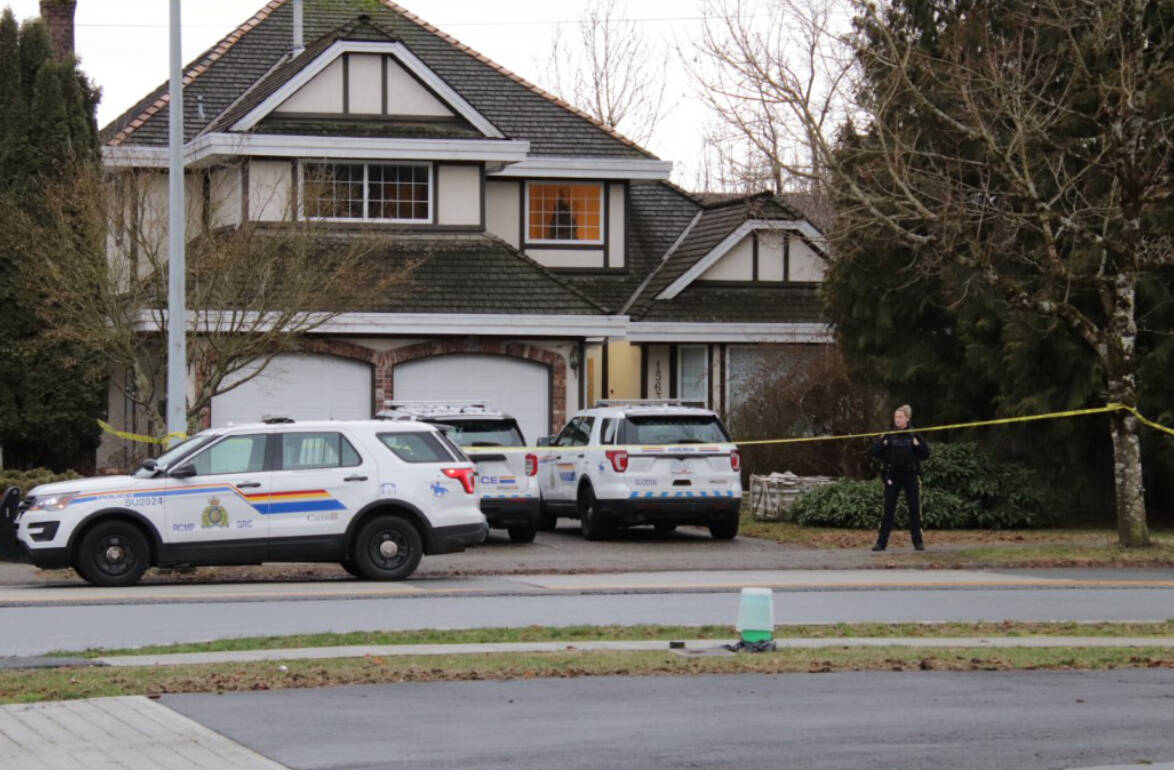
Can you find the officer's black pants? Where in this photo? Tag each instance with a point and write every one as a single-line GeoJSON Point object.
{"type": "Point", "coordinates": [901, 480]}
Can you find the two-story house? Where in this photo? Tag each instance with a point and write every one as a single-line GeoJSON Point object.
{"type": "Point", "coordinates": [553, 261]}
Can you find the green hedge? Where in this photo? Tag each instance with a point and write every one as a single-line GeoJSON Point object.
{"type": "Point", "coordinates": [964, 486]}
{"type": "Point", "coordinates": [26, 480]}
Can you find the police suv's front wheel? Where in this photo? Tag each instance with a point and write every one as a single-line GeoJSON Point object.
{"type": "Point", "coordinates": [387, 548]}
{"type": "Point", "coordinates": [113, 553]}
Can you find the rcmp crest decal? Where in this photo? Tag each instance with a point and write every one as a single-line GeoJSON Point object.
{"type": "Point", "coordinates": [214, 515]}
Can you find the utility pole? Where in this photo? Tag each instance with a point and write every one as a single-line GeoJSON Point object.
{"type": "Point", "coordinates": [176, 303]}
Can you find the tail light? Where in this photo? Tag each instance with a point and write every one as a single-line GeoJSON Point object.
{"type": "Point", "coordinates": [619, 459]}
{"type": "Point", "coordinates": [464, 475]}
{"type": "Point", "coordinates": [531, 465]}
{"type": "Point", "coordinates": [735, 460]}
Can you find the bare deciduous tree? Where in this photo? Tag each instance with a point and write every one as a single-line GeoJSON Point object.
{"type": "Point", "coordinates": [776, 74]}
{"type": "Point", "coordinates": [254, 290]}
{"type": "Point", "coordinates": [609, 68]}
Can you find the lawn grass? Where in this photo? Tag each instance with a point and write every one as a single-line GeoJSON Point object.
{"type": "Point", "coordinates": [72, 683]}
{"type": "Point", "coordinates": [571, 634]}
{"type": "Point", "coordinates": [1058, 547]}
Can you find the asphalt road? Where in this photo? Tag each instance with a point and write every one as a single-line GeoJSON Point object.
{"type": "Point", "coordinates": [857, 596]}
{"type": "Point", "coordinates": [843, 720]}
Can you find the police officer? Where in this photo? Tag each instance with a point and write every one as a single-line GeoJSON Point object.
{"type": "Point", "coordinates": [901, 455]}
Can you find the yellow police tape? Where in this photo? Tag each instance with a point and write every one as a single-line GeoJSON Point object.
{"type": "Point", "coordinates": [976, 424]}
{"type": "Point", "coordinates": [1112, 407]}
{"type": "Point", "coordinates": [138, 436]}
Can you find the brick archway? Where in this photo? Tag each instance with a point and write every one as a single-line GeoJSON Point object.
{"type": "Point", "coordinates": [386, 362]}
{"type": "Point", "coordinates": [326, 347]}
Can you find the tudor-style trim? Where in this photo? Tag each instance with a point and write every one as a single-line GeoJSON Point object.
{"type": "Point", "coordinates": [208, 148]}
{"type": "Point", "coordinates": [412, 324]}
{"type": "Point", "coordinates": [588, 168]}
{"type": "Point", "coordinates": [684, 331]}
{"type": "Point", "coordinates": [416, 67]}
{"type": "Point", "coordinates": [805, 228]}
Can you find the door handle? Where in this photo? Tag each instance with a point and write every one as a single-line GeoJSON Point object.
{"type": "Point", "coordinates": [355, 478]}
{"type": "Point", "coordinates": [249, 485]}
{"type": "Point", "coordinates": [582, 456]}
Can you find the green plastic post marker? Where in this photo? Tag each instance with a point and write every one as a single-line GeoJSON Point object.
{"type": "Point", "coordinates": [756, 616]}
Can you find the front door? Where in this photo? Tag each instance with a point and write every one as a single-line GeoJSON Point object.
{"type": "Point", "coordinates": [211, 516]}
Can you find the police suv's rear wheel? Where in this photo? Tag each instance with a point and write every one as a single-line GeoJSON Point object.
{"type": "Point", "coordinates": [387, 548]}
{"type": "Point", "coordinates": [523, 533]}
{"type": "Point", "coordinates": [113, 553]}
{"type": "Point", "coordinates": [726, 529]}
{"type": "Point", "coordinates": [594, 526]}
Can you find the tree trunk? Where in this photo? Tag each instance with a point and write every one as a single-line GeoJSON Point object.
{"type": "Point", "coordinates": [1120, 358]}
{"type": "Point", "coordinates": [1132, 531]}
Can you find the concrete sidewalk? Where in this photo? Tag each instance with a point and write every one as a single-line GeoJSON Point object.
{"type": "Point", "coordinates": [129, 732]}
{"type": "Point", "coordinates": [693, 645]}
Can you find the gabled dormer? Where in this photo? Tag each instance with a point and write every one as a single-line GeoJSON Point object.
{"type": "Point", "coordinates": [357, 87]}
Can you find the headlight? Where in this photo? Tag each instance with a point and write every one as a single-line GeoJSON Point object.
{"type": "Point", "coordinates": [53, 502]}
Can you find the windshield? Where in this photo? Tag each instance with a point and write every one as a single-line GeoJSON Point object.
{"type": "Point", "coordinates": [177, 452]}
{"type": "Point", "coordinates": [665, 429]}
{"type": "Point", "coordinates": [469, 433]}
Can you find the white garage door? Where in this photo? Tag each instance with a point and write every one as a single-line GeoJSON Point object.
{"type": "Point", "coordinates": [304, 387]}
{"type": "Point", "coordinates": [515, 386]}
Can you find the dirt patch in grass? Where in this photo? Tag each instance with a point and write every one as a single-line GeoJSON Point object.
{"type": "Point", "coordinates": [67, 684]}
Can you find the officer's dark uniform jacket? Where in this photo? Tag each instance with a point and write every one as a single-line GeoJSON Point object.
{"type": "Point", "coordinates": [898, 454]}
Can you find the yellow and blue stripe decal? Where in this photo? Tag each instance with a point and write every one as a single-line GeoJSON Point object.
{"type": "Point", "coordinates": [302, 501]}
{"type": "Point", "coordinates": [299, 501]}
{"type": "Point", "coordinates": [681, 493]}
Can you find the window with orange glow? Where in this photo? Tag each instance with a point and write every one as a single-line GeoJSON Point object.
{"type": "Point", "coordinates": [565, 212]}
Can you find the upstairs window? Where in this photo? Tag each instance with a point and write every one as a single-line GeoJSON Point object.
{"type": "Point", "coordinates": [379, 192]}
{"type": "Point", "coordinates": [560, 212]}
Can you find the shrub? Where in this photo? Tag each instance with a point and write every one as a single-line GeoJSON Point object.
{"type": "Point", "coordinates": [26, 480]}
{"type": "Point", "coordinates": [965, 487]}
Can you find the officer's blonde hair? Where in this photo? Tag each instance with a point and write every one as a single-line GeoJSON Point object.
{"type": "Point", "coordinates": [908, 410]}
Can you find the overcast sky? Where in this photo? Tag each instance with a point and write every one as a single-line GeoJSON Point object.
{"type": "Point", "coordinates": [122, 45]}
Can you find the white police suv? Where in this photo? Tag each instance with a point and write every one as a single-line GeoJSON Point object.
{"type": "Point", "coordinates": [628, 463]}
{"type": "Point", "coordinates": [506, 476]}
{"type": "Point", "coordinates": [371, 495]}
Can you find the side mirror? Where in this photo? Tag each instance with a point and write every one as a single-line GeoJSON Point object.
{"type": "Point", "coordinates": [150, 464]}
{"type": "Point", "coordinates": [185, 471]}
{"type": "Point", "coordinates": [545, 440]}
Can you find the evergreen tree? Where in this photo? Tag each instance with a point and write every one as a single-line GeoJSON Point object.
{"type": "Point", "coordinates": [1004, 221]}
{"type": "Point", "coordinates": [36, 48]}
{"type": "Point", "coordinates": [51, 390]}
{"type": "Point", "coordinates": [12, 103]}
